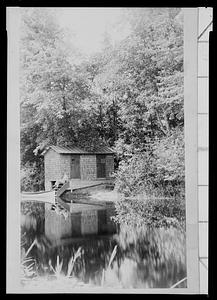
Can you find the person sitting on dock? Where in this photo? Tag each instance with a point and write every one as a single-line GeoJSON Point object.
{"type": "Point", "coordinates": [61, 181]}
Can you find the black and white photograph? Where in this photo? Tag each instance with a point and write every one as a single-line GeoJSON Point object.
{"type": "Point", "coordinates": [102, 149]}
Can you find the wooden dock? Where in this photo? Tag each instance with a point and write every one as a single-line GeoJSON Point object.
{"type": "Point", "coordinates": [76, 184]}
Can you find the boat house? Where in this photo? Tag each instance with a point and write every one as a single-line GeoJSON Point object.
{"type": "Point", "coordinates": [76, 163]}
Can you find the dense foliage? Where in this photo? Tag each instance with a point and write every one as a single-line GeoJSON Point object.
{"type": "Point", "coordinates": [128, 96]}
{"type": "Point", "coordinates": [158, 171]}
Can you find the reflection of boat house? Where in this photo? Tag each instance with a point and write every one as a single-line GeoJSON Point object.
{"type": "Point", "coordinates": [77, 164]}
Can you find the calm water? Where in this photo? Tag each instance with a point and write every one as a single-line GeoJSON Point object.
{"type": "Point", "coordinates": [143, 258]}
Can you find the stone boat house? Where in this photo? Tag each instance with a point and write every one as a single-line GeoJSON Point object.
{"type": "Point", "coordinates": [77, 164]}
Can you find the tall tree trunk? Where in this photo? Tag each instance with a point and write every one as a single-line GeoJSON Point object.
{"type": "Point", "coordinates": [160, 123]}
{"type": "Point", "coordinates": [102, 131]}
{"type": "Point", "coordinates": [157, 113]}
{"type": "Point", "coordinates": [166, 122]}
{"type": "Point", "coordinates": [114, 120]}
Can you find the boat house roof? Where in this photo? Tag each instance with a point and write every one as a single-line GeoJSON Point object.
{"type": "Point", "coordinates": [77, 150]}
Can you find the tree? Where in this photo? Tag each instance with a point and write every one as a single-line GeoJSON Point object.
{"type": "Point", "coordinates": [52, 88]}
{"type": "Point", "coordinates": [141, 78]}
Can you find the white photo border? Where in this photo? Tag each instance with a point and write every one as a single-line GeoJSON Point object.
{"type": "Point", "coordinates": [191, 163]}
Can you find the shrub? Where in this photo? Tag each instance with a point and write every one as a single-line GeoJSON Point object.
{"type": "Point", "coordinates": [152, 184]}
{"type": "Point", "coordinates": [32, 178]}
{"type": "Point", "coordinates": [158, 171]}
{"type": "Point", "coordinates": [134, 175]}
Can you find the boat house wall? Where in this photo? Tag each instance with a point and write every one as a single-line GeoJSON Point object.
{"type": "Point", "coordinates": [57, 165]}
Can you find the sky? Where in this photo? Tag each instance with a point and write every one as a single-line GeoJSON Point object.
{"type": "Point", "coordinates": [89, 24]}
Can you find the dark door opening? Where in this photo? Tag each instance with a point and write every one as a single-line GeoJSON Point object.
{"type": "Point", "coordinates": [52, 183]}
{"type": "Point", "coordinates": [75, 166]}
{"type": "Point", "coordinates": [101, 166]}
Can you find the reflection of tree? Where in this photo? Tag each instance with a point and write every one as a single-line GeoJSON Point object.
{"type": "Point", "coordinates": [159, 254]}
{"type": "Point", "coordinates": [144, 258]}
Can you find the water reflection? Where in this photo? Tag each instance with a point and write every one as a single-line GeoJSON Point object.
{"type": "Point", "coordinates": [145, 258]}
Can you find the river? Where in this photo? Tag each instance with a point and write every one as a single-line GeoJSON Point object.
{"type": "Point", "coordinates": [131, 258]}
